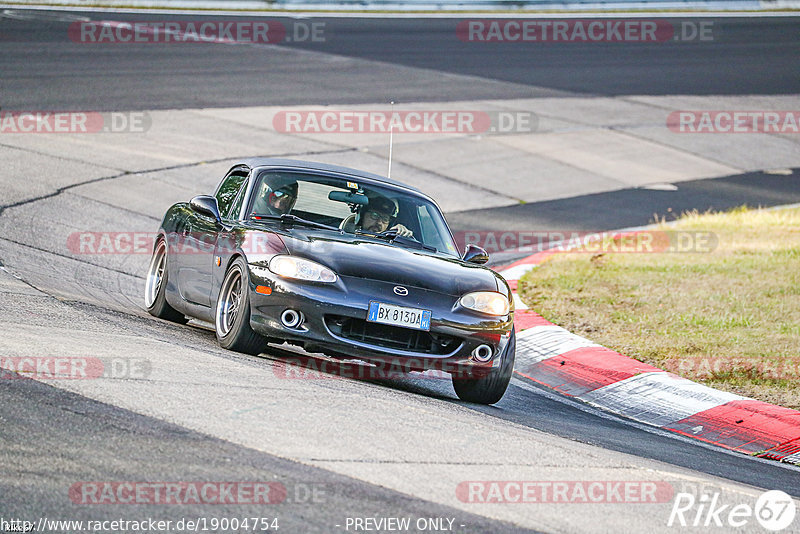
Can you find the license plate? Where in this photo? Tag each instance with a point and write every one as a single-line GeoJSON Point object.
{"type": "Point", "coordinates": [399, 316]}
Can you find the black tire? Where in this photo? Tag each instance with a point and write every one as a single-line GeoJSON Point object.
{"type": "Point", "coordinates": [491, 387]}
{"type": "Point", "coordinates": [155, 287]}
{"type": "Point", "coordinates": [232, 312]}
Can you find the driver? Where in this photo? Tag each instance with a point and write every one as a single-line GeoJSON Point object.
{"type": "Point", "coordinates": [376, 216]}
{"type": "Point", "coordinates": [277, 197]}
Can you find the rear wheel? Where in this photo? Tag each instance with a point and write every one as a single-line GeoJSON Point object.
{"type": "Point", "coordinates": [490, 388]}
{"type": "Point", "coordinates": [232, 316]}
{"type": "Point", "coordinates": [156, 286]}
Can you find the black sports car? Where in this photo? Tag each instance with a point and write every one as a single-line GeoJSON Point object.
{"type": "Point", "coordinates": [338, 261]}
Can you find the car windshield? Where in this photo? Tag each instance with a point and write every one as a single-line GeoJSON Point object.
{"type": "Point", "coordinates": [373, 211]}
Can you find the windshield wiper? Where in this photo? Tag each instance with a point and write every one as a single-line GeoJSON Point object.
{"type": "Point", "coordinates": [290, 220]}
{"type": "Point", "coordinates": [393, 237]}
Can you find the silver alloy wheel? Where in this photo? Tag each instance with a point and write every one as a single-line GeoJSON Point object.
{"type": "Point", "coordinates": [155, 274]}
{"type": "Point", "coordinates": [229, 300]}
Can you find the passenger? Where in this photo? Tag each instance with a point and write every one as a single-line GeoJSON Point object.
{"type": "Point", "coordinates": [276, 201]}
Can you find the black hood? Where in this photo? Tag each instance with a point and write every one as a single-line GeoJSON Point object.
{"type": "Point", "coordinates": [360, 257]}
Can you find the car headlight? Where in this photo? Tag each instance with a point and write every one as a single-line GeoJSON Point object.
{"type": "Point", "coordinates": [487, 302]}
{"type": "Point", "coordinates": [300, 269]}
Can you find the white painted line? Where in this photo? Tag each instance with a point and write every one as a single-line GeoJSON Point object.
{"type": "Point", "coordinates": [657, 398]}
{"type": "Point", "coordinates": [550, 394]}
{"type": "Point", "coordinates": [543, 342]}
{"type": "Point", "coordinates": [660, 187]}
{"type": "Point", "coordinates": [518, 304]}
{"type": "Point", "coordinates": [518, 271]}
{"type": "Point", "coordinates": [792, 458]}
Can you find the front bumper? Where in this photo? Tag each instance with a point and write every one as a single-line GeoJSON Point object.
{"type": "Point", "coordinates": [335, 323]}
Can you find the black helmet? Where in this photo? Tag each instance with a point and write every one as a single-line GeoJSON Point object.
{"type": "Point", "coordinates": [283, 184]}
{"type": "Point", "coordinates": [273, 189]}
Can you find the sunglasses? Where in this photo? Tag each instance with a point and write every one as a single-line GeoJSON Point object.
{"type": "Point", "coordinates": [378, 216]}
{"type": "Point", "coordinates": [281, 194]}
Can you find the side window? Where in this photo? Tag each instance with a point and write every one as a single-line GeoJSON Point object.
{"type": "Point", "coordinates": [228, 189]}
{"type": "Point", "coordinates": [433, 231]}
{"type": "Point", "coordinates": [428, 228]}
{"type": "Point", "coordinates": [236, 207]}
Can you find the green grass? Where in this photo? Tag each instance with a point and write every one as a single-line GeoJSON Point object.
{"type": "Point", "coordinates": [729, 317]}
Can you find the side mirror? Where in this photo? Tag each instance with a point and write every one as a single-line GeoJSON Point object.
{"type": "Point", "coordinates": [207, 205]}
{"type": "Point", "coordinates": [475, 254]}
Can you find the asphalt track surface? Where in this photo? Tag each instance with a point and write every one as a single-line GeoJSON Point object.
{"type": "Point", "coordinates": [77, 438]}
{"type": "Point", "coordinates": [633, 207]}
{"type": "Point", "coordinates": [42, 69]}
{"type": "Point", "coordinates": [315, 498]}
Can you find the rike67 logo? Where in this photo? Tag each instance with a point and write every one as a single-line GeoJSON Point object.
{"type": "Point", "coordinates": [774, 510]}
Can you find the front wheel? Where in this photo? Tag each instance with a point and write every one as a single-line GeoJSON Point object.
{"type": "Point", "coordinates": [156, 285]}
{"type": "Point", "coordinates": [490, 388]}
{"type": "Point", "coordinates": [232, 316]}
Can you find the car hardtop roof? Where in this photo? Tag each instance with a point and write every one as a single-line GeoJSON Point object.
{"type": "Point", "coordinates": [324, 167]}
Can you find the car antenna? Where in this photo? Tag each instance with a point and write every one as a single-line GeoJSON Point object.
{"type": "Point", "coordinates": [391, 132]}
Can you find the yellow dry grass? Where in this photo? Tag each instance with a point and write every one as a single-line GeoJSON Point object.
{"type": "Point", "coordinates": [729, 318]}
